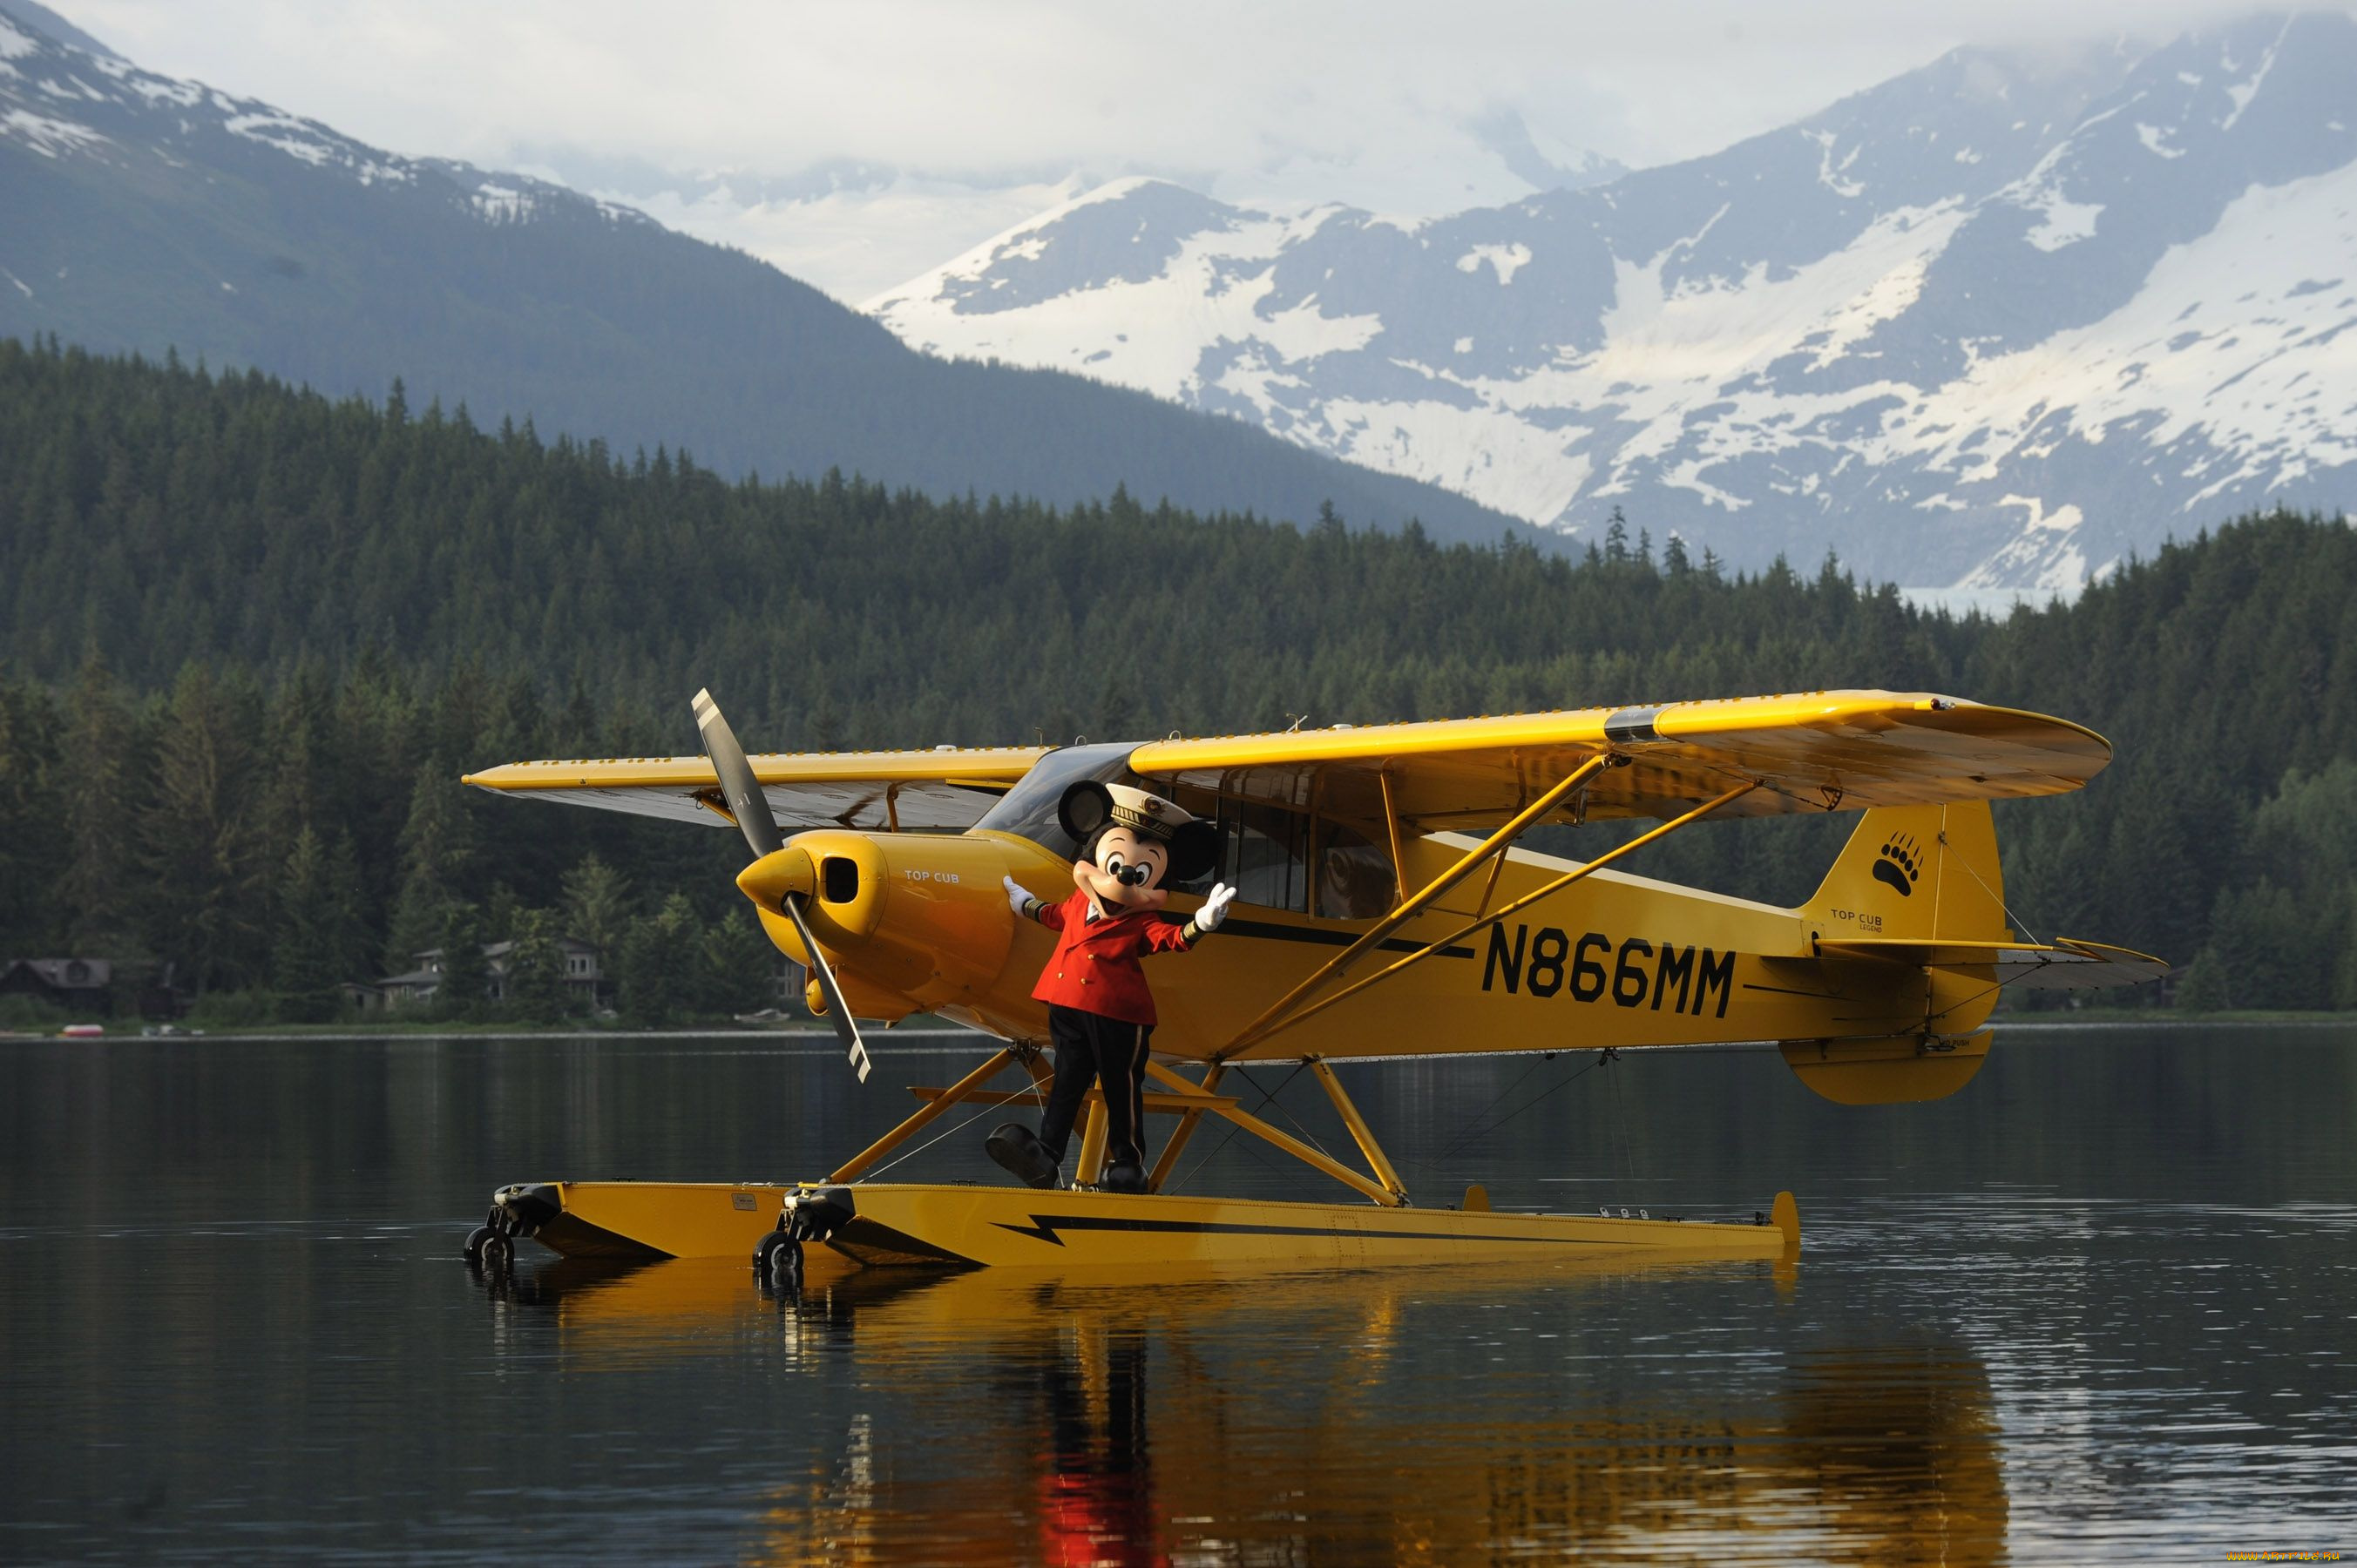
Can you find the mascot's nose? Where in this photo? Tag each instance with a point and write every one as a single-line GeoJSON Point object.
{"type": "Point", "coordinates": [769, 880]}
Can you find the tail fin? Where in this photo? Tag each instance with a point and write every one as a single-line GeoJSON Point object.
{"type": "Point", "coordinates": [1916, 874]}
{"type": "Point", "coordinates": [1911, 874]}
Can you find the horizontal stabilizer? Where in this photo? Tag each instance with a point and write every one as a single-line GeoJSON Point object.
{"type": "Point", "coordinates": [2067, 964]}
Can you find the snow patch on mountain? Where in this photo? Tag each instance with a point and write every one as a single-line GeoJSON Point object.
{"type": "Point", "coordinates": [1505, 260]}
{"type": "Point", "coordinates": [47, 136]}
{"type": "Point", "coordinates": [1147, 330]}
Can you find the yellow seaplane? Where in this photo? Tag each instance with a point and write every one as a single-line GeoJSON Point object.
{"type": "Point", "coordinates": [1385, 907]}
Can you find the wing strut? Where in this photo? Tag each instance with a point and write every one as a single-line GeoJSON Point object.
{"type": "Point", "coordinates": [1259, 1032]}
{"type": "Point", "coordinates": [1225, 1108]}
{"type": "Point", "coordinates": [1495, 844]}
{"type": "Point", "coordinates": [1169, 1160]}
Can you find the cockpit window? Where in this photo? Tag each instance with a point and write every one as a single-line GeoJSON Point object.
{"type": "Point", "coordinates": [1264, 854]}
{"type": "Point", "coordinates": [1355, 881]}
{"type": "Point", "coordinates": [1266, 847]}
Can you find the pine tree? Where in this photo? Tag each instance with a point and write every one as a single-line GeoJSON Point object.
{"type": "Point", "coordinates": [28, 804]}
{"type": "Point", "coordinates": [438, 858]}
{"type": "Point", "coordinates": [207, 889]}
{"type": "Point", "coordinates": [465, 974]}
{"type": "Point", "coordinates": [736, 962]}
{"type": "Point", "coordinates": [304, 947]}
{"type": "Point", "coordinates": [659, 979]}
{"type": "Point", "coordinates": [351, 950]}
{"type": "Point", "coordinates": [100, 758]}
{"type": "Point", "coordinates": [596, 906]}
{"type": "Point", "coordinates": [535, 970]}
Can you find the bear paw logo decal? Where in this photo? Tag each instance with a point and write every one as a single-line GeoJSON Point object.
{"type": "Point", "coordinates": [1901, 865]}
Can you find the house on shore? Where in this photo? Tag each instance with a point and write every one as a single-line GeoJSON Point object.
{"type": "Point", "coordinates": [585, 980]}
{"type": "Point", "coordinates": [76, 985]}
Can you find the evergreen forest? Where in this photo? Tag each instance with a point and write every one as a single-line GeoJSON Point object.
{"type": "Point", "coordinates": [253, 636]}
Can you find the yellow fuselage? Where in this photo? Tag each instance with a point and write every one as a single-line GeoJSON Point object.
{"type": "Point", "coordinates": [1611, 961]}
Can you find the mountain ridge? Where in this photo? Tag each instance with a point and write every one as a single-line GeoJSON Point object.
{"type": "Point", "coordinates": [1840, 334]}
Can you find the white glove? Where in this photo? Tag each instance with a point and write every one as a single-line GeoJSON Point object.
{"type": "Point", "coordinates": [1015, 896]}
{"type": "Point", "coordinates": [1215, 907]}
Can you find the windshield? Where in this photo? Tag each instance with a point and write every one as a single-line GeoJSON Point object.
{"type": "Point", "coordinates": [1028, 810]}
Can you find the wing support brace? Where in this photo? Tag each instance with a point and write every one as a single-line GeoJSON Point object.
{"type": "Point", "coordinates": [1386, 1190]}
{"type": "Point", "coordinates": [944, 1099]}
{"type": "Point", "coordinates": [1191, 1101]}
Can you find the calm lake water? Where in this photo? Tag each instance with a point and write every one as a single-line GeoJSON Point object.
{"type": "Point", "coordinates": [2097, 1306]}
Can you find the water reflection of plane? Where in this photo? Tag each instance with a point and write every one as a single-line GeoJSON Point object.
{"type": "Point", "coordinates": [1231, 1416]}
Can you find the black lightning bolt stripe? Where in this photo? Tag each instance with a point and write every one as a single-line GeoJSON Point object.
{"type": "Point", "coordinates": [1046, 1228]}
{"type": "Point", "coordinates": [1232, 925]}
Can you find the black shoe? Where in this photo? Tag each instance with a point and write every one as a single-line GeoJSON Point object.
{"type": "Point", "coordinates": [1123, 1176]}
{"type": "Point", "coordinates": [1018, 1148]}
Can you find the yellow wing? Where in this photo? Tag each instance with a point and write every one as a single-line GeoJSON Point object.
{"type": "Point", "coordinates": [945, 789]}
{"type": "Point", "coordinates": [1818, 752]}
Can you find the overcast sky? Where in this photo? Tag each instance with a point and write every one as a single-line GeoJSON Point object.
{"type": "Point", "coordinates": [740, 119]}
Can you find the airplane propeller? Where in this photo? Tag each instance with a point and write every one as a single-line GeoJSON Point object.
{"type": "Point", "coordinates": [750, 806]}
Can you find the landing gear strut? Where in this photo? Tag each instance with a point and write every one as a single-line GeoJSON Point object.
{"type": "Point", "coordinates": [516, 1212]}
{"type": "Point", "coordinates": [491, 1246]}
{"type": "Point", "coordinates": [811, 1214]}
{"type": "Point", "coordinates": [778, 1260]}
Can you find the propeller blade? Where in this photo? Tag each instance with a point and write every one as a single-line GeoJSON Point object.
{"type": "Point", "coordinates": [846, 1027]}
{"type": "Point", "coordinates": [750, 806]}
{"type": "Point", "coordinates": [737, 785]}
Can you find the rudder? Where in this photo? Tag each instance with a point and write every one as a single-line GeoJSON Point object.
{"type": "Point", "coordinates": [1916, 874]}
{"type": "Point", "coordinates": [1911, 874]}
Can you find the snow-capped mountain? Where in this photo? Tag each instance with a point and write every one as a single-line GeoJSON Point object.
{"type": "Point", "coordinates": [62, 97]}
{"type": "Point", "coordinates": [145, 212]}
{"type": "Point", "coordinates": [1997, 322]}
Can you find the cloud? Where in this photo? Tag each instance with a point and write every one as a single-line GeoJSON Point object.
{"type": "Point", "coordinates": [961, 89]}
{"type": "Point", "coordinates": [1390, 104]}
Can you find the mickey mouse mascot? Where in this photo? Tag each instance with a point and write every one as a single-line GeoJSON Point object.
{"type": "Point", "coordinates": [1133, 846]}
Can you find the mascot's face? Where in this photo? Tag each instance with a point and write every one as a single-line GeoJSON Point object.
{"type": "Point", "coordinates": [1126, 868]}
{"type": "Point", "coordinates": [1123, 871]}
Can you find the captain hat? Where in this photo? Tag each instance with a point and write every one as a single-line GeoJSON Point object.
{"type": "Point", "coordinates": [1089, 805]}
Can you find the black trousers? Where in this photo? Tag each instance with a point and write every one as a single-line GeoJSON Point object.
{"type": "Point", "coordinates": [1093, 1049]}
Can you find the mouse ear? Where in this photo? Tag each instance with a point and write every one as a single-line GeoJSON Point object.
{"type": "Point", "coordinates": [1086, 806]}
{"type": "Point", "coordinates": [1194, 851]}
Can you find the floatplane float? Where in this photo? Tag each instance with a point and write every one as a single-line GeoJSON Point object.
{"type": "Point", "coordinates": [1386, 908]}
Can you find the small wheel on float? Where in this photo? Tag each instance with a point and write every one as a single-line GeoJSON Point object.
{"type": "Point", "coordinates": [473, 1249]}
{"type": "Point", "coordinates": [497, 1255]}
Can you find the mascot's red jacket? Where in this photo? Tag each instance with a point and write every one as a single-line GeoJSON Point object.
{"type": "Point", "coordinates": [1094, 967]}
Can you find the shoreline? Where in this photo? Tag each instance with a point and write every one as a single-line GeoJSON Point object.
{"type": "Point", "coordinates": [818, 1032]}
{"type": "Point", "coordinates": [483, 1032]}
